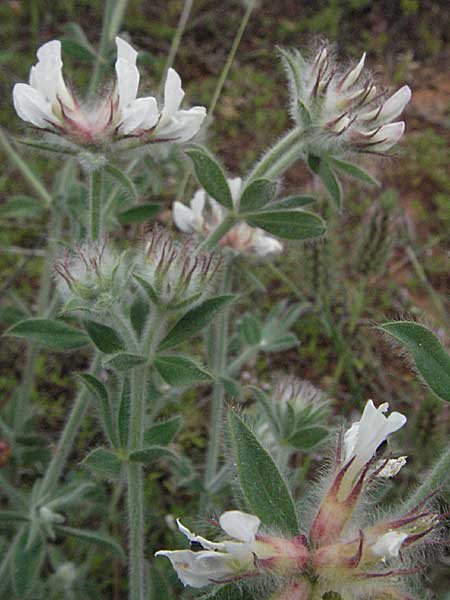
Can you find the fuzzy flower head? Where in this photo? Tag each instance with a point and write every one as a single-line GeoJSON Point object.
{"type": "Point", "coordinates": [47, 103]}
{"type": "Point", "coordinates": [174, 274]}
{"type": "Point", "coordinates": [246, 554]}
{"type": "Point", "coordinates": [341, 107]}
{"type": "Point", "coordinates": [91, 277]}
{"type": "Point", "coordinates": [204, 215]}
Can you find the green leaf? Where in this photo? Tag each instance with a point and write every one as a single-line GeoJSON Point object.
{"type": "Point", "coordinates": [179, 370]}
{"type": "Point", "coordinates": [139, 313]}
{"type": "Point", "coordinates": [354, 171]}
{"type": "Point", "coordinates": [12, 515]}
{"type": "Point", "coordinates": [21, 207]}
{"type": "Point", "coordinates": [431, 359]}
{"type": "Point", "coordinates": [104, 337]}
{"type": "Point", "coordinates": [58, 147]}
{"type": "Point", "coordinates": [152, 454]}
{"type": "Point", "coordinates": [266, 492]}
{"type": "Point", "coordinates": [321, 168]}
{"type": "Point", "coordinates": [123, 180]}
{"type": "Point", "coordinates": [100, 395]}
{"type": "Point", "coordinates": [77, 50]}
{"type": "Point", "coordinates": [51, 333]}
{"type": "Point", "coordinates": [26, 563]}
{"type": "Point", "coordinates": [210, 175]}
{"type": "Point", "coordinates": [308, 438]}
{"type": "Point", "coordinates": [124, 361]}
{"type": "Point", "coordinates": [153, 296]}
{"type": "Point", "coordinates": [250, 329]}
{"type": "Point", "coordinates": [164, 432]}
{"type": "Point", "coordinates": [123, 417]}
{"type": "Point", "coordinates": [103, 462]}
{"type": "Point", "coordinates": [292, 202]}
{"type": "Point", "coordinates": [92, 537]}
{"type": "Point", "coordinates": [11, 315]}
{"type": "Point", "coordinates": [257, 194]}
{"type": "Point", "coordinates": [194, 321]}
{"type": "Point", "coordinates": [288, 224]}
{"type": "Point", "coordinates": [282, 342]}
{"type": "Point", "coordinates": [139, 214]}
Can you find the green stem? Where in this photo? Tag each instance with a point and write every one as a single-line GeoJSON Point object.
{"type": "Point", "coordinates": [95, 204]}
{"type": "Point", "coordinates": [439, 476]}
{"type": "Point", "coordinates": [218, 358]}
{"type": "Point", "coordinates": [66, 440]}
{"type": "Point", "coordinates": [112, 19]}
{"type": "Point", "coordinates": [281, 156]}
{"type": "Point", "coordinates": [214, 238]}
{"type": "Point", "coordinates": [25, 170]}
{"type": "Point", "coordinates": [187, 7]}
{"type": "Point", "coordinates": [230, 58]}
{"type": "Point", "coordinates": [32, 354]}
{"type": "Point", "coordinates": [135, 495]}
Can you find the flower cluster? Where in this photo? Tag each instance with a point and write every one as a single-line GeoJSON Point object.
{"type": "Point", "coordinates": [344, 550]}
{"type": "Point", "coordinates": [202, 219]}
{"type": "Point", "coordinates": [48, 104]}
{"type": "Point", "coordinates": [342, 108]}
{"type": "Point", "coordinates": [91, 277]}
{"type": "Point", "coordinates": [176, 275]}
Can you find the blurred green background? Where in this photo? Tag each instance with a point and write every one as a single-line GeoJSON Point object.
{"type": "Point", "coordinates": [407, 274]}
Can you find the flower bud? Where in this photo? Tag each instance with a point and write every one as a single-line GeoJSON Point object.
{"type": "Point", "coordinates": [91, 277]}
{"type": "Point", "coordinates": [175, 275]}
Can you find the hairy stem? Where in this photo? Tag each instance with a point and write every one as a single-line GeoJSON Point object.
{"type": "Point", "coordinates": [281, 156]}
{"type": "Point", "coordinates": [218, 358]}
{"type": "Point", "coordinates": [66, 440]}
{"type": "Point", "coordinates": [438, 477]}
{"type": "Point", "coordinates": [95, 204]}
{"type": "Point", "coordinates": [150, 340]}
{"type": "Point", "coordinates": [221, 230]}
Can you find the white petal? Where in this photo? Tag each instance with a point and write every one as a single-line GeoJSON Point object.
{"type": "Point", "coordinates": [235, 184]}
{"type": "Point", "coordinates": [199, 569]}
{"type": "Point", "coordinates": [264, 244]}
{"type": "Point", "coordinates": [139, 114]}
{"type": "Point", "coordinates": [394, 105]}
{"type": "Point", "coordinates": [206, 544]}
{"type": "Point", "coordinates": [183, 217]}
{"type": "Point", "coordinates": [182, 126]}
{"type": "Point", "coordinates": [127, 73]}
{"type": "Point", "coordinates": [173, 95]}
{"type": "Point", "coordinates": [389, 544]}
{"type": "Point", "coordinates": [198, 204]}
{"type": "Point", "coordinates": [31, 106]}
{"type": "Point", "coordinates": [354, 74]}
{"type": "Point", "coordinates": [392, 467]}
{"type": "Point", "coordinates": [46, 75]}
{"type": "Point", "coordinates": [364, 437]}
{"type": "Point", "coordinates": [239, 525]}
{"type": "Point", "coordinates": [388, 136]}
{"type": "Point", "coordinates": [125, 51]}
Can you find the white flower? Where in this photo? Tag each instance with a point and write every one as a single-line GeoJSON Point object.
{"type": "Point", "coordinates": [217, 561]}
{"type": "Point", "coordinates": [38, 102]}
{"type": "Point", "coordinates": [241, 238]}
{"type": "Point", "coordinates": [363, 438]}
{"type": "Point", "coordinates": [389, 544]}
{"type": "Point", "coordinates": [392, 466]}
{"type": "Point", "coordinates": [46, 103]}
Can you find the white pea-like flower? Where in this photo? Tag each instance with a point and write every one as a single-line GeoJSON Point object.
{"type": "Point", "coordinates": [389, 544]}
{"type": "Point", "coordinates": [47, 103]}
{"type": "Point", "coordinates": [204, 215]}
{"type": "Point", "coordinates": [341, 108]}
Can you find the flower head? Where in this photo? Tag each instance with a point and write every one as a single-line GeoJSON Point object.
{"type": "Point", "coordinates": [47, 103]}
{"type": "Point", "coordinates": [341, 107]}
{"type": "Point", "coordinates": [91, 277]}
{"type": "Point", "coordinates": [205, 214]}
{"type": "Point", "coordinates": [175, 275]}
